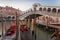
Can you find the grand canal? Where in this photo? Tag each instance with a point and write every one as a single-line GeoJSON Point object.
{"type": "Point", "coordinates": [6, 26]}
{"type": "Point", "coordinates": [41, 34]}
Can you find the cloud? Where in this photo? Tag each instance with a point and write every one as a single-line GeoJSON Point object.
{"type": "Point", "coordinates": [22, 5]}
{"type": "Point", "coordinates": [26, 4]}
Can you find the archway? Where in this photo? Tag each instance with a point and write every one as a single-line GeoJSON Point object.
{"type": "Point", "coordinates": [9, 17]}
{"type": "Point", "coordinates": [44, 9]}
{"type": "Point", "coordinates": [40, 9]}
{"type": "Point", "coordinates": [33, 16]}
{"type": "Point", "coordinates": [54, 10]}
{"type": "Point", "coordinates": [49, 10]}
{"type": "Point", "coordinates": [13, 17]}
{"type": "Point", "coordinates": [58, 10]}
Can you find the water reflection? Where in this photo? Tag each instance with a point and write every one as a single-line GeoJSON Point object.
{"type": "Point", "coordinates": [42, 34]}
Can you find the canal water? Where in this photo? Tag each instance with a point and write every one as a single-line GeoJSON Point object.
{"type": "Point", "coordinates": [42, 34]}
{"type": "Point", "coordinates": [6, 26]}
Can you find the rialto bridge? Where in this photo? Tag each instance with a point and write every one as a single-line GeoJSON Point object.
{"type": "Point", "coordinates": [49, 16]}
{"type": "Point", "coordinates": [42, 10]}
{"type": "Point", "coordinates": [44, 15]}
{"type": "Point", "coordinates": [39, 11]}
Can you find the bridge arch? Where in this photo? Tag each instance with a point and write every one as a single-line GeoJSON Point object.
{"type": "Point", "coordinates": [13, 17]}
{"type": "Point", "coordinates": [58, 10]}
{"type": "Point", "coordinates": [40, 9]}
{"type": "Point", "coordinates": [54, 10]}
{"type": "Point", "coordinates": [9, 17]}
{"type": "Point", "coordinates": [32, 16]}
{"type": "Point", "coordinates": [44, 9]}
{"type": "Point", "coordinates": [49, 10]}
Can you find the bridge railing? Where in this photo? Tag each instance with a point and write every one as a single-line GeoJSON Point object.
{"type": "Point", "coordinates": [53, 20]}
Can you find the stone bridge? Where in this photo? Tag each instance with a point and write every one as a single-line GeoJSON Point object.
{"type": "Point", "coordinates": [42, 10]}
{"type": "Point", "coordinates": [38, 10]}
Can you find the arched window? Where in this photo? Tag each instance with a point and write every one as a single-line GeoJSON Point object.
{"type": "Point", "coordinates": [49, 10]}
{"type": "Point", "coordinates": [13, 17]}
{"type": "Point", "coordinates": [9, 17]}
{"type": "Point", "coordinates": [34, 9]}
{"type": "Point", "coordinates": [40, 9]}
{"type": "Point", "coordinates": [58, 10]}
{"type": "Point", "coordinates": [44, 9]}
{"type": "Point", "coordinates": [54, 10]}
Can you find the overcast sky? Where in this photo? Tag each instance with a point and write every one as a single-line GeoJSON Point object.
{"type": "Point", "coordinates": [26, 4]}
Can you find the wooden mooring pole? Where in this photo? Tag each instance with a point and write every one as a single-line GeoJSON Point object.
{"type": "Point", "coordinates": [2, 27]}
{"type": "Point", "coordinates": [55, 34]}
{"type": "Point", "coordinates": [25, 21]}
{"type": "Point", "coordinates": [46, 23]}
{"type": "Point", "coordinates": [17, 26]}
{"type": "Point", "coordinates": [32, 26]}
{"type": "Point", "coordinates": [5, 27]}
{"type": "Point", "coordinates": [29, 23]}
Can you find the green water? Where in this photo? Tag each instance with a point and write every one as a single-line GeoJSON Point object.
{"type": "Point", "coordinates": [5, 25]}
{"type": "Point", "coordinates": [43, 34]}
